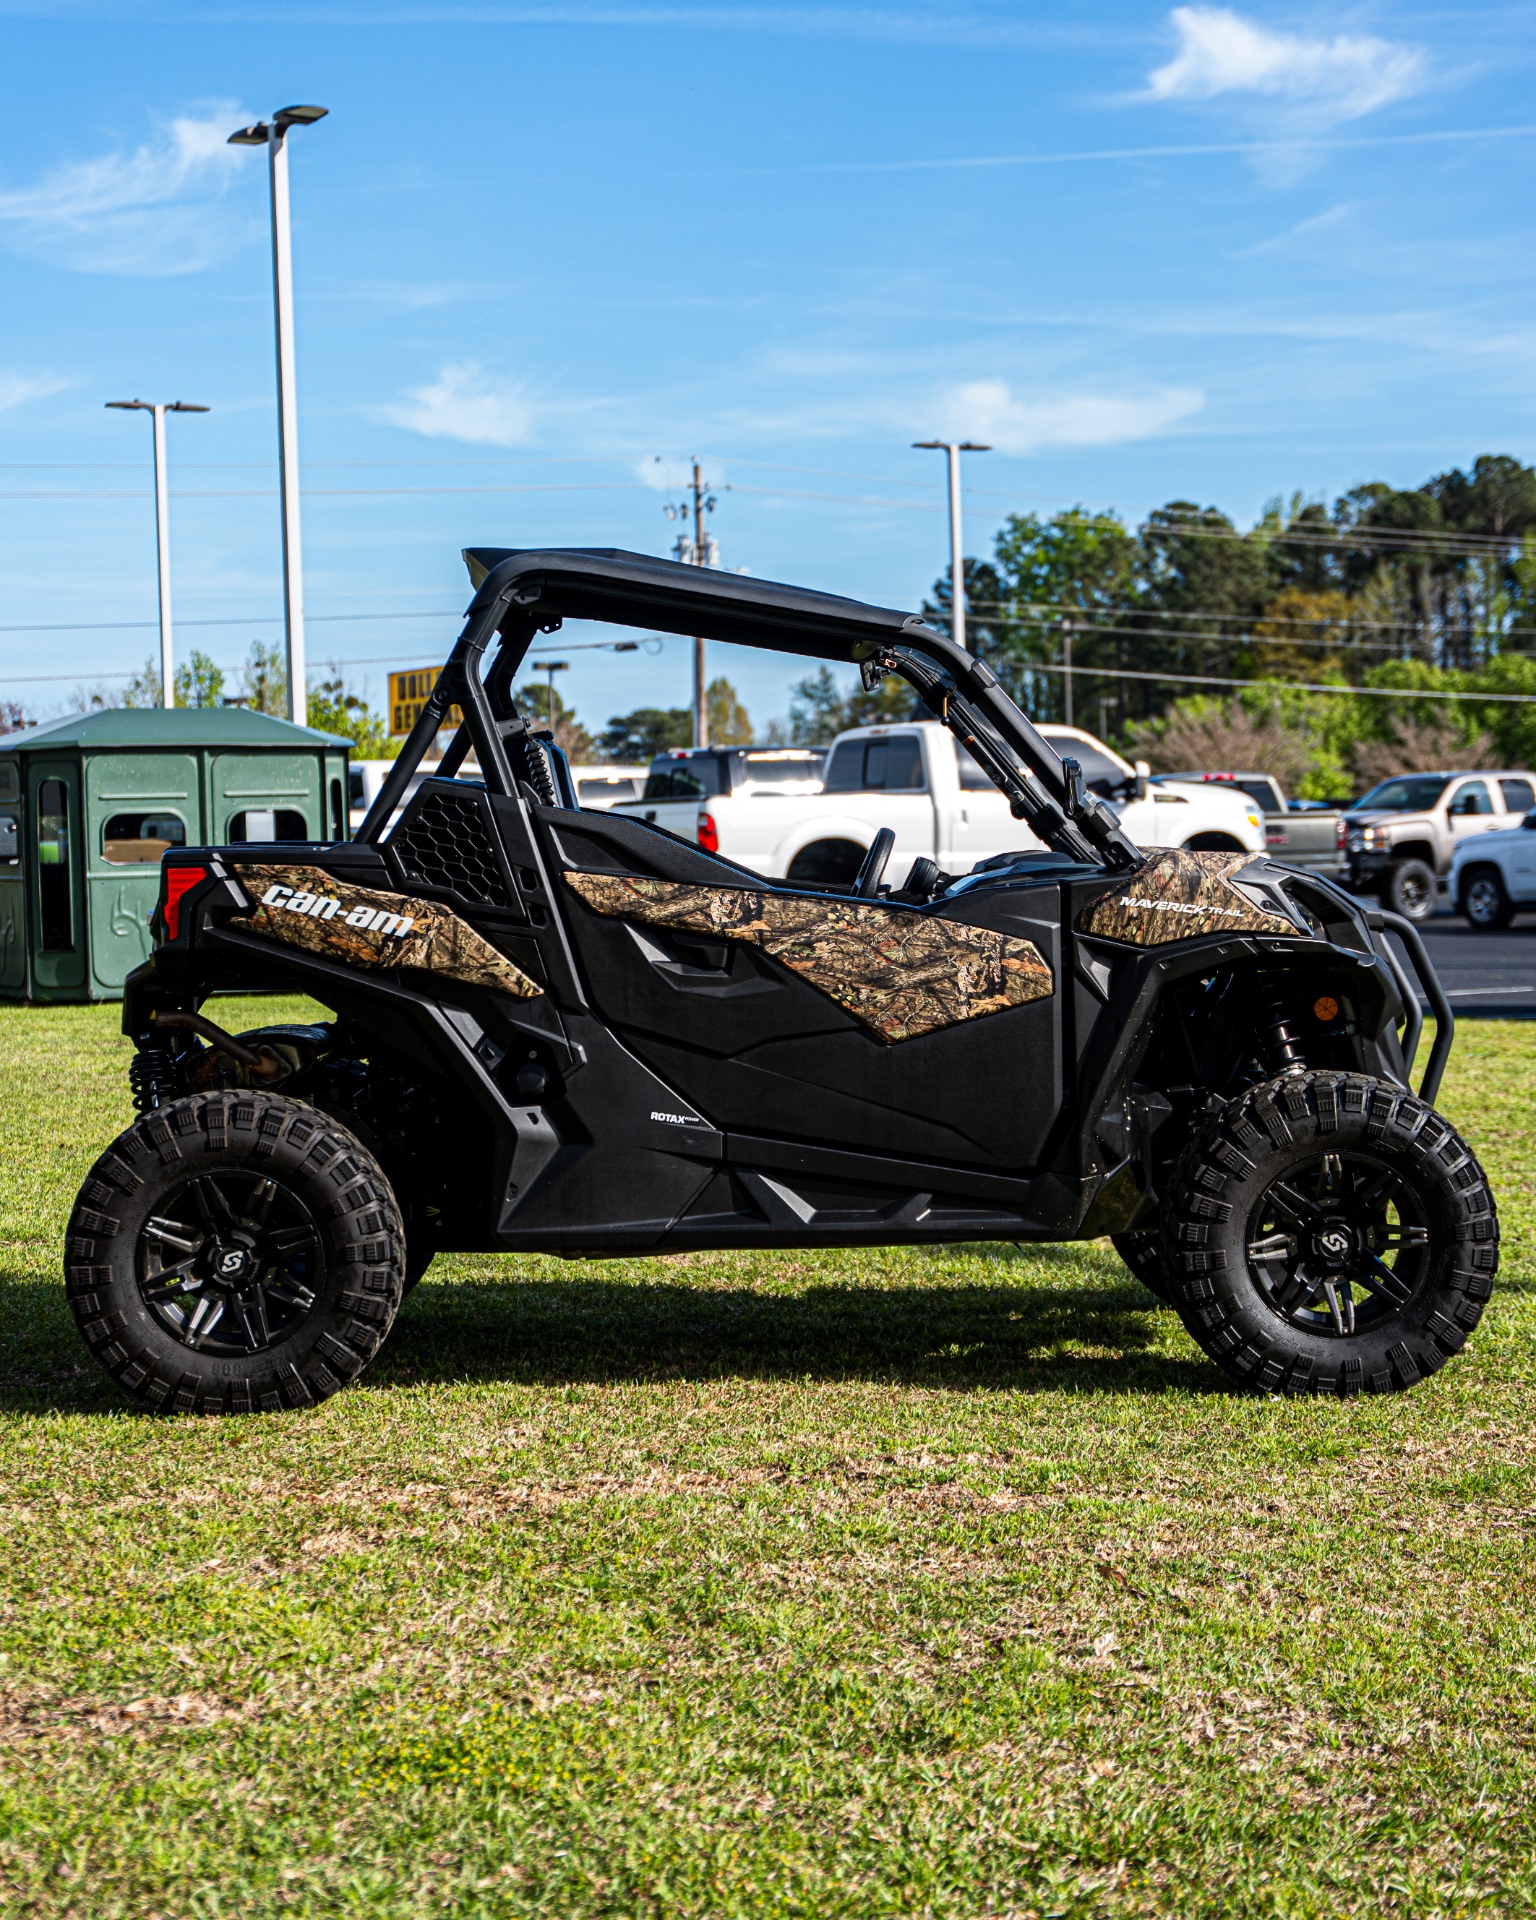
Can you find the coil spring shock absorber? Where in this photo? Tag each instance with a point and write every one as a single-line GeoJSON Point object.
{"type": "Point", "coordinates": [151, 1078]}
{"type": "Point", "coordinates": [1279, 1042]}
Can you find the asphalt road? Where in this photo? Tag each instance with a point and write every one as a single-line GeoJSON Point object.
{"type": "Point", "coordinates": [1486, 976]}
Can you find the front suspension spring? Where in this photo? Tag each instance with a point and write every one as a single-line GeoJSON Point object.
{"type": "Point", "coordinates": [1280, 1043]}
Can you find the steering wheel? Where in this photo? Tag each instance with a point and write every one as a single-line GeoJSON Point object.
{"type": "Point", "coordinates": [866, 881]}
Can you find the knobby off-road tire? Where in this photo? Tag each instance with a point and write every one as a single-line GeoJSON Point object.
{"type": "Point", "coordinates": [1330, 1234]}
{"type": "Point", "coordinates": [1145, 1251]}
{"type": "Point", "coordinates": [234, 1253]}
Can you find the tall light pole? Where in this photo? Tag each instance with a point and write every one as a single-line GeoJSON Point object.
{"type": "Point", "coordinates": [552, 667]}
{"type": "Point", "coordinates": [159, 409]}
{"type": "Point", "coordinates": [273, 136]}
{"type": "Point", "coordinates": [954, 448]}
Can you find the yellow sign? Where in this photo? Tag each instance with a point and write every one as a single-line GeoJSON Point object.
{"type": "Point", "coordinates": [408, 695]}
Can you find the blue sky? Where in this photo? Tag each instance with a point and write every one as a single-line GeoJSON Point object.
{"type": "Point", "coordinates": [546, 253]}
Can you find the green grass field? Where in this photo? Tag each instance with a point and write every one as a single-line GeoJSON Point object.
{"type": "Point", "coordinates": [946, 1582]}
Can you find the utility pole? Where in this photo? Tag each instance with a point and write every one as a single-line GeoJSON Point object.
{"type": "Point", "coordinates": [701, 551]}
{"type": "Point", "coordinates": [954, 449]}
{"type": "Point", "coordinates": [159, 409]}
{"type": "Point", "coordinates": [273, 136]}
{"type": "Point", "coordinates": [1066, 663]}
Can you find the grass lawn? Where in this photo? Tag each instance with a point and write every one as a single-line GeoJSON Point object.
{"type": "Point", "coordinates": [939, 1582]}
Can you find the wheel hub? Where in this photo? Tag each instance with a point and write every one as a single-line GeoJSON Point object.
{"type": "Point", "coordinates": [1335, 1244]}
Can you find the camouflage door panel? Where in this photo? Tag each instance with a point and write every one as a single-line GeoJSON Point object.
{"type": "Point", "coordinates": [901, 973]}
{"type": "Point", "coordinates": [1177, 895]}
{"type": "Point", "coordinates": [360, 927]}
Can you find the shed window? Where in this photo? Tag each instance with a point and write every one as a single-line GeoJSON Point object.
{"type": "Point", "coordinates": [266, 824]}
{"type": "Point", "coordinates": [10, 848]}
{"type": "Point", "coordinates": [139, 839]}
{"type": "Point", "coordinates": [53, 879]}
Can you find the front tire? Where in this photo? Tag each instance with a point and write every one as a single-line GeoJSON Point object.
{"type": "Point", "coordinates": [1330, 1234]}
{"type": "Point", "coordinates": [1484, 901]}
{"type": "Point", "coordinates": [1409, 889]}
{"type": "Point", "coordinates": [235, 1253]}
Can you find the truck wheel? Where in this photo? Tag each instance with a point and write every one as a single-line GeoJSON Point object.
{"type": "Point", "coordinates": [828, 863]}
{"type": "Point", "coordinates": [1409, 888]}
{"type": "Point", "coordinates": [1330, 1233]}
{"type": "Point", "coordinates": [234, 1253]}
{"type": "Point", "coordinates": [1144, 1252]}
{"type": "Point", "coordinates": [1484, 901]}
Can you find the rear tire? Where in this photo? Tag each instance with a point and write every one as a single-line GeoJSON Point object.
{"type": "Point", "coordinates": [1483, 901]}
{"type": "Point", "coordinates": [1144, 1251]}
{"type": "Point", "coordinates": [1330, 1234]}
{"type": "Point", "coordinates": [1408, 888]}
{"type": "Point", "coordinates": [235, 1253]}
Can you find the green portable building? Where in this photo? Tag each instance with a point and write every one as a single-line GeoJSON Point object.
{"type": "Point", "coordinates": [89, 804]}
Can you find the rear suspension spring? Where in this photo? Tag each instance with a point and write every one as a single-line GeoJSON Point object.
{"type": "Point", "coordinates": [152, 1078]}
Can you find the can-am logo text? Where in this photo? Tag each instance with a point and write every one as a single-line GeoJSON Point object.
{"type": "Point", "coordinates": [365, 919]}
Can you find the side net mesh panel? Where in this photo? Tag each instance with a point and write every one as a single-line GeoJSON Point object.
{"type": "Point", "coordinates": [444, 842]}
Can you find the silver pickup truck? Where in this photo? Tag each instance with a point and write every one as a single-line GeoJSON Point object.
{"type": "Point", "coordinates": [1402, 835]}
{"type": "Point", "coordinates": [1303, 833]}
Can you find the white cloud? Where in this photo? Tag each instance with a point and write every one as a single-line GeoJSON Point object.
{"type": "Point", "coordinates": [16, 389]}
{"type": "Point", "coordinates": [147, 212]}
{"type": "Point", "coordinates": [1219, 52]}
{"type": "Point", "coordinates": [463, 403]}
{"type": "Point", "coordinates": [989, 410]}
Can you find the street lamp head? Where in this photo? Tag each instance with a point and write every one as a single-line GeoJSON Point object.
{"type": "Point", "coordinates": [974, 446]}
{"type": "Point", "coordinates": [255, 136]}
{"type": "Point", "coordinates": [550, 666]}
{"type": "Point", "coordinates": [298, 116]}
{"type": "Point", "coordinates": [133, 406]}
{"type": "Point", "coordinates": [185, 406]}
{"type": "Point", "coordinates": [928, 443]}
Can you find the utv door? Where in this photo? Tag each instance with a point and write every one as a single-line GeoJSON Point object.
{"type": "Point", "coordinates": [820, 1019]}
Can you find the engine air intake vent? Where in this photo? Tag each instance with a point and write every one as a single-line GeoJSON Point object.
{"type": "Point", "coordinates": [444, 842]}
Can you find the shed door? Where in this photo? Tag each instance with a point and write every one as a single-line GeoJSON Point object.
{"type": "Point", "coordinates": [13, 918]}
{"type": "Point", "coordinates": [265, 796]}
{"type": "Point", "coordinates": [137, 806]}
{"type": "Point", "coordinates": [52, 851]}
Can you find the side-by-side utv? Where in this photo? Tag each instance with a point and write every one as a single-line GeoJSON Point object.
{"type": "Point", "coordinates": [566, 1032]}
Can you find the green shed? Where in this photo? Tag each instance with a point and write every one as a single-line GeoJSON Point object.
{"type": "Point", "coordinates": [89, 804]}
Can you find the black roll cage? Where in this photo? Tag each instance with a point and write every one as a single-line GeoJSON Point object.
{"type": "Point", "coordinates": [520, 594]}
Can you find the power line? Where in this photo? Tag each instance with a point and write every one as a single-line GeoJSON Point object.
{"type": "Point", "coordinates": [1284, 686]}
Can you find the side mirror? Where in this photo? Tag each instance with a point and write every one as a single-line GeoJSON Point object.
{"type": "Point", "coordinates": [1529, 822]}
{"type": "Point", "coordinates": [1139, 785]}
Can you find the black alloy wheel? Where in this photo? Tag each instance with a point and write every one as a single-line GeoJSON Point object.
{"type": "Point", "coordinates": [230, 1262]}
{"type": "Point", "coordinates": [1330, 1233]}
{"type": "Point", "coordinates": [235, 1253]}
{"type": "Point", "coordinates": [1338, 1243]}
{"type": "Point", "coordinates": [1484, 901]}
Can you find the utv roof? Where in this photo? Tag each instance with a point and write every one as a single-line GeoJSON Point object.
{"type": "Point", "coordinates": [635, 589]}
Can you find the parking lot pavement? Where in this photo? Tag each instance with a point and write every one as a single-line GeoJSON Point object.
{"type": "Point", "coordinates": [1486, 976]}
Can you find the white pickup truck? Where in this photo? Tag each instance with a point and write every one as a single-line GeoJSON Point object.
{"type": "Point", "coordinates": [916, 779]}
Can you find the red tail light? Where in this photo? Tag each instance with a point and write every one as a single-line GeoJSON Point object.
{"type": "Point", "coordinates": [179, 881]}
{"type": "Point", "coordinates": [709, 833]}
{"type": "Point", "coordinates": [1340, 834]}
